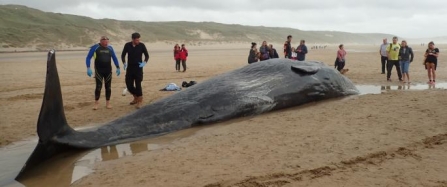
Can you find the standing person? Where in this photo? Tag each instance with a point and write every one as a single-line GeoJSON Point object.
{"type": "Point", "coordinates": [431, 62]}
{"type": "Point", "coordinates": [393, 59]}
{"type": "Point", "coordinates": [177, 57]}
{"type": "Point", "coordinates": [103, 54]}
{"type": "Point", "coordinates": [384, 55]}
{"type": "Point", "coordinates": [294, 54]}
{"type": "Point", "coordinates": [264, 49]}
{"type": "Point", "coordinates": [288, 47]}
{"type": "Point", "coordinates": [340, 61]}
{"type": "Point", "coordinates": [183, 56]}
{"type": "Point", "coordinates": [301, 51]}
{"type": "Point", "coordinates": [273, 53]}
{"type": "Point", "coordinates": [253, 55]}
{"type": "Point", "coordinates": [406, 57]}
{"type": "Point", "coordinates": [134, 73]}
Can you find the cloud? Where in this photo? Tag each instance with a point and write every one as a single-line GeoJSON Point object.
{"type": "Point", "coordinates": [399, 17]}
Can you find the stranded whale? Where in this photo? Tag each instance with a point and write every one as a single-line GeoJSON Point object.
{"type": "Point", "coordinates": [253, 89]}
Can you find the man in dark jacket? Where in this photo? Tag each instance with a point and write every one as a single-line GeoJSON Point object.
{"type": "Point", "coordinates": [134, 64]}
{"type": "Point", "coordinates": [301, 51]}
{"type": "Point", "coordinates": [273, 53]}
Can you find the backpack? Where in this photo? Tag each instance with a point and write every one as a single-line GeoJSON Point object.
{"type": "Point", "coordinates": [391, 45]}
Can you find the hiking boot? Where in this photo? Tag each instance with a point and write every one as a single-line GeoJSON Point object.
{"type": "Point", "coordinates": [134, 100]}
{"type": "Point", "coordinates": [139, 103]}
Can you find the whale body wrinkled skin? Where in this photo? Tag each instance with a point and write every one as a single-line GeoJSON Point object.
{"type": "Point", "coordinates": [253, 89]}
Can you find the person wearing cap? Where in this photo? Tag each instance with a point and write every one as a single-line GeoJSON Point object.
{"type": "Point", "coordinates": [431, 62]}
{"type": "Point", "coordinates": [406, 57]}
{"type": "Point", "coordinates": [393, 59]}
{"type": "Point", "coordinates": [103, 54]}
{"type": "Point", "coordinates": [134, 67]}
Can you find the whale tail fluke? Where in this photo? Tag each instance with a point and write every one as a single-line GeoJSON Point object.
{"type": "Point", "coordinates": [52, 121]}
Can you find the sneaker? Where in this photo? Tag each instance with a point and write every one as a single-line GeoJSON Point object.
{"type": "Point", "coordinates": [389, 80]}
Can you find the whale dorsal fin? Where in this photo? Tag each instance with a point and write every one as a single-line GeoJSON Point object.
{"type": "Point", "coordinates": [305, 69]}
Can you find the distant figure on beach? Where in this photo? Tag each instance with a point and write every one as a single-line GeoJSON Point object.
{"type": "Point", "coordinates": [406, 57]}
{"type": "Point", "coordinates": [273, 52]}
{"type": "Point", "coordinates": [393, 59]}
{"type": "Point", "coordinates": [265, 51]}
{"type": "Point", "coordinates": [340, 60]}
{"type": "Point", "coordinates": [253, 54]}
{"type": "Point", "coordinates": [384, 55]}
{"type": "Point", "coordinates": [301, 51]}
{"type": "Point", "coordinates": [431, 62]}
{"type": "Point", "coordinates": [134, 71]}
{"type": "Point", "coordinates": [294, 55]}
{"type": "Point", "coordinates": [103, 54]}
{"type": "Point", "coordinates": [177, 57]}
{"type": "Point", "coordinates": [288, 47]}
{"type": "Point", "coordinates": [183, 56]}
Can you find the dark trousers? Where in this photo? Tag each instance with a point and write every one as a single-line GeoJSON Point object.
{"type": "Point", "coordinates": [339, 65]}
{"type": "Point", "coordinates": [133, 81]}
{"type": "Point", "coordinates": [106, 77]}
{"type": "Point", "coordinates": [384, 60]}
{"type": "Point", "coordinates": [177, 64]}
{"type": "Point", "coordinates": [390, 65]}
{"type": "Point", "coordinates": [184, 65]}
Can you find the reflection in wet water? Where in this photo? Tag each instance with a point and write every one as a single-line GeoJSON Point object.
{"type": "Point", "coordinates": [69, 167]}
{"type": "Point", "coordinates": [373, 89]}
{"type": "Point", "coordinates": [83, 166]}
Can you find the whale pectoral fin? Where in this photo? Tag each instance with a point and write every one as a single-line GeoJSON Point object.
{"type": "Point", "coordinates": [305, 69]}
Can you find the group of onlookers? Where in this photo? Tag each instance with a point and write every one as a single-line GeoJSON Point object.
{"type": "Point", "coordinates": [299, 53]}
{"type": "Point", "coordinates": [401, 55]}
{"type": "Point", "coordinates": [265, 52]}
{"type": "Point", "coordinates": [180, 55]}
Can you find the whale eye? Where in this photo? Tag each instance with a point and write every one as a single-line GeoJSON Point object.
{"type": "Point", "coordinates": [305, 69]}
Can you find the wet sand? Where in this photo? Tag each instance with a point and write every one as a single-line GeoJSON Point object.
{"type": "Point", "coordinates": [396, 138]}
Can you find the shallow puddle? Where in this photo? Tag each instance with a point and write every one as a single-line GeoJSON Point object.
{"type": "Point", "coordinates": [374, 89]}
{"type": "Point", "coordinates": [67, 168]}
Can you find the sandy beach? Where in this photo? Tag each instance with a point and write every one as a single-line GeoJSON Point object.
{"type": "Point", "coordinates": [396, 138]}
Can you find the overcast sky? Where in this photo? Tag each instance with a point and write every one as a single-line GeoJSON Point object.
{"type": "Point", "coordinates": [405, 18]}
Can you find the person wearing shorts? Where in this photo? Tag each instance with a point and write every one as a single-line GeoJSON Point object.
{"type": "Point", "coordinates": [431, 62]}
{"type": "Point", "coordinates": [406, 57]}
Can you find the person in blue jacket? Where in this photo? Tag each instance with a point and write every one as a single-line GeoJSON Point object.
{"type": "Point", "coordinates": [103, 54]}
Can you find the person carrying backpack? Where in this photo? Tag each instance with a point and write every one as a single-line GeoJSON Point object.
{"type": "Point", "coordinates": [393, 59]}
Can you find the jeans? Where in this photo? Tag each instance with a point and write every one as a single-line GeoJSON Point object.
{"type": "Point", "coordinates": [405, 66]}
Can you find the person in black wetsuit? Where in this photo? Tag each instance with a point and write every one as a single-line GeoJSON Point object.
{"type": "Point", "coordinates": [134, 67]}
{"type": "Point", "coordinates": [103, 53]}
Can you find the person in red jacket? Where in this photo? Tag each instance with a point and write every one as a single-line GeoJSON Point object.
{"type": "Point", "coordinates": [183, 55]}
{"type": "Point", "coordinates": [177, 57]}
